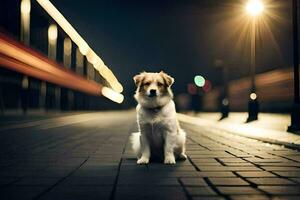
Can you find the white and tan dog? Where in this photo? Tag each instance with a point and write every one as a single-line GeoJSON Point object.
{"type": "Point", "coordinates": [160, 135]}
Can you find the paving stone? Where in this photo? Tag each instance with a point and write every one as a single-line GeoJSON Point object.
{"type": "Point", "coordinates": [281, 164]}
{"type": "Point", "coordinates": [288, 173]}
{"type": "Point", "coordinates": [270, 181]}
{"type": "Point", "coordinates": [237, 164]}
{"type": "Point", "coordinates": [216, 174]}
{"type": "Point", "coordinates": [162, 167]}
{"type": "Point", "coordinates": [228, 181]}
{"type": "Point", "coordinates": [200, 191]}
{"type": "Point", "coordinates": [204, 160]}
{"type": "Point", "coordinates": [145, 192]}
{"type": "Point", "coordinates": [89, 181]}
{"type": "Point", "coordinates": [255, 174]}
{"type": "Point", "coordinates": [193, 181]}
{"type": "Point", "coordinates": [241, 190]}
{"type": "Point", "coordinates": [148, 181]}
{"type": "Point", "coordinates": [281, 190]}
{"type": "Point", "coordinates": [21, 192]}
{"type": "Point", "coordinates": [261, 160]}
{"type": "Point", "coordinates": [212, 156]}
{"type": "Point", "coordinates": [207, 198]}
{"type": "Point", "coordinates": [281, 168]}
{"type": "Point", "coordinates": [232, 160]}
{"type": "Point", "coordinates": [5, 181]}
{"type": "Point", "coordinates": [294, 157]}
{"type": "Point", "coordinates": [95, 173]}
{"type": "Point", "coordinates": [286, 197]}
{"type": "Point", "coordinates": [207, 164]}
{"type": "Point", "coordinates": [296, 179]}
{"type": "Point", "coordinates": [78, 193]}
{"type": "Point", "coordinates": [227, 168]}
{"type": "Point", "coordinates": [249, 197]}
{"type": "Point", "coordinates": [30, 181]}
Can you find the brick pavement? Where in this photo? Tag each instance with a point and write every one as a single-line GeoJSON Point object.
{"type": "Point", "coordinates": [87, 156]}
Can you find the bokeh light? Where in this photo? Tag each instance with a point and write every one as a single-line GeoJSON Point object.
{"type": "Point", "coordinates": [192, 89]}
{"type": "Point", "coordinates": [253, 96]}
{"type": "Point", "coordinates": [199, 81]}
{"type": "Point", "coordinates": [207, 86]}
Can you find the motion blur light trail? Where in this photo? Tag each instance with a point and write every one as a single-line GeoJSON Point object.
{"type": "Point", "coordinates": [20, 58]}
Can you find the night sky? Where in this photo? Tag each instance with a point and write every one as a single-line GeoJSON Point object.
{"type": "Point", "coordinates": [183, 38]}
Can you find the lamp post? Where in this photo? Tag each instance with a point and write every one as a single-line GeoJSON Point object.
{"type": "Point", "coordinates": [254, 8]}
{"type": "Point", "coordinates": [295, 115]}
{"type": "Point", "coordinates": [224, 99]}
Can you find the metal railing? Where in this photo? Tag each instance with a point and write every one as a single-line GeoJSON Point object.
{"type": "Point", "coordinates": [64, 77]}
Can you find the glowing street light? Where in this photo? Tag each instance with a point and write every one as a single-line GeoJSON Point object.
{"type": "Point", "coordinates": [253, 96]}
{"type": "Point", "coordinates": [254, 8]}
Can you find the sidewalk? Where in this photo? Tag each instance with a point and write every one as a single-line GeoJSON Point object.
{"type": "Point", "coordinates": [268, 128]}
{"type": "Point", "coordinates": [84, 156]}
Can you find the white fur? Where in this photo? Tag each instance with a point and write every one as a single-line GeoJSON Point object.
{"type": "Point", "coordinates": [159, 131]}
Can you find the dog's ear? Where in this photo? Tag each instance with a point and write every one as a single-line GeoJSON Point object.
{"type": "Point", "coordinates": [168, 79]}
{"type": "Point", "coordinates": [138, 78]}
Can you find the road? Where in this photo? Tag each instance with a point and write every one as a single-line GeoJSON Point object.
{"type": "Point", "coordinates": [87, 156]}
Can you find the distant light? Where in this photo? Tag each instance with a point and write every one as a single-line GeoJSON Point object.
{"type": "Point", "coordinates": [52, 32]}
{"type": "Point", "coordinates": [199, 81]}
{"type": "Point", "coordinates": [254, 7]}
{"type": "Point", "coordinates": [253, 96]}
{"type": "Point", "coordinates": [192, 89]}
{"type": "Point", "coordinates": [207, 86]}
{"type": "Point", "coordinates": [112, 95]}
{"type": "Point", "coordinates": [25, 6]}
{"type": "Point", "coordinates": [225, 102]}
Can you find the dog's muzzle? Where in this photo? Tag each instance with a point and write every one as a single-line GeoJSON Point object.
{"type": "Point", "coordinates": [152, 93]}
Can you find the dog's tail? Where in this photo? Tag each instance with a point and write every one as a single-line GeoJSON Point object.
{"type": "Point", "coordinates": [135, 140]}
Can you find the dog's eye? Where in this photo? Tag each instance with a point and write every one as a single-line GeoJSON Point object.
{"type": "Point", "coordinates": [160, 84]}
{"type": "Point", "coordinates": [147, 83]}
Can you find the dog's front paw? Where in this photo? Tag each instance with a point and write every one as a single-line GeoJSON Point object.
{"type": "Point", "coordinates": [182, 156]}
{"type": "Point", "coordinates": [170, 160]}
{"type": "Point", "coordinates": [143, 161]}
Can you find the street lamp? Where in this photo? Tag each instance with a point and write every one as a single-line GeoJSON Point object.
{"type": "Point", "coordinates": [254, 8]}
{"type": "Point", "coordinates": [224, 98]}
{"type": "Point", "coordinates": [295, 115]}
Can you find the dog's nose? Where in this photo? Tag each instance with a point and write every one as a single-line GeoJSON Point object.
{"type": "Point", "coordinates": [152, 93]}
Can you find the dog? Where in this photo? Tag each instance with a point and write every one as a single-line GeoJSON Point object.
{"type": "Point", "coordinates": [160, 135]}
